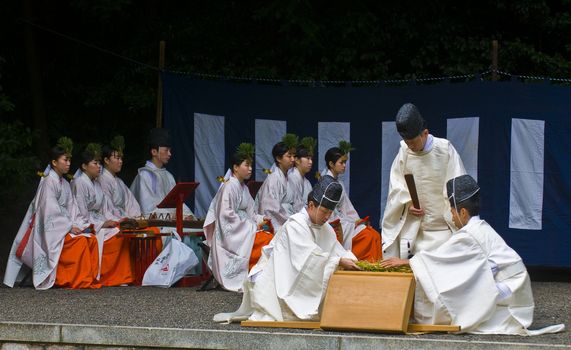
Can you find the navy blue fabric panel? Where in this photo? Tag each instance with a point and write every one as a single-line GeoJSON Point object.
{"type": "Point", "coordinates": [496, 103]}
{"type": "Point", "coordinates": [177, 101]}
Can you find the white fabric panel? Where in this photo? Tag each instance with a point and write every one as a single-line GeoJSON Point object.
{"type": "Point", "coordinates": [209, 155]}
{"type": "Point", "coordinates": [390, 144]}
{"type": "Point", "coordinates": [328, 135]}
{"type": "Point", "coordinates": [267, 134]}
{"type": "Point", "coordinates": [464, 135]}
{"type": "Point", "coordinates": [526, 174]}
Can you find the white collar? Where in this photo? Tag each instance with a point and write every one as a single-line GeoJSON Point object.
{"type": "Point", "coordinates": [429, 143]}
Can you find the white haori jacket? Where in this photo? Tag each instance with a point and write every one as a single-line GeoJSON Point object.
{"type": "Point", "coordinates": [150, 187]}
{"type": "Point", "coordinates": [230, 228]}
{"type": "Point", "coordinates": [290, 280]}
{"type": "Point", "coordinates": [123, 203]}
{"type": "Point", "coordinates": [404, 234]}
{"type": "Point", "coordinates": [299, 187]}
{"type": "Point", "coordinates": [475, 280]}
{"type": "Point", "coordinates": [53, 212]}
{"type": "Point", "coordinates": [346, 213]}
{"type": "Point", "coordinates": [95, 208]}
{"type": "Point", "coordinates": [273, 199]}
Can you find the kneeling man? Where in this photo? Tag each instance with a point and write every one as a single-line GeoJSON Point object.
{"type": "Point", "coordinates": [474, 280]}
{"type": "Point", "coordinates": [290, 280]}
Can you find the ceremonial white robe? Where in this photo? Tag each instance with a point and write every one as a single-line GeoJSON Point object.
{"type": "Point", "coordinates": [150, 187]}
{"type": "Point", "coordinates": [95, 208]}
{"type": "Point", "coordinates": [273, 199]}
{"type": "Point", "coordinates": [290, 280]}
{"type": "Point", "coordinates": [55, 212]}
{"type": "Point", "coordinates": [299, 187]}
{"type": "Point", "coordinates": [230, 227]}
{"type": "Point", "coordinates": [123, 203]}
{"type": "Point", "coordinates": [404, 234]}
{"type": "Point", "coordinates": [474, 280]}
{"type": "Point", "coordinates": [348, 216]}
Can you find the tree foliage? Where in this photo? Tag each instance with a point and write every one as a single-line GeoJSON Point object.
{"type": "Point", "coordinates": [87, 88]}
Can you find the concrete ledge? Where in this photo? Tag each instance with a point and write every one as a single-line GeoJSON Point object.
{"type": "Point", "coordinates": [91, 337]}
{"type": "Point", "coordinates": [30, 332]}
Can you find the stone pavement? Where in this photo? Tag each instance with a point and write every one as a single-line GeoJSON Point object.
{"type": "Point", "coordinates": [181, 318]}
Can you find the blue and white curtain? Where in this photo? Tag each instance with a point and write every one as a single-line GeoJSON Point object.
{"type": "Point", "coordinates": [513, 138]}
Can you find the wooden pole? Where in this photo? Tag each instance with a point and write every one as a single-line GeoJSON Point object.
{"type": "Point", "coordinates": [159, 122]}
{"type": "Point", "coordinates": [494, 60]}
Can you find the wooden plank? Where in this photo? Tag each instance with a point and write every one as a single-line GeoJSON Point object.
{"type": "Point", "coordinates": [368, 301]}
{"type": "Point", "coordinates": [415, 328]}
{"type": "Point", "coordinates": [373, 273]}
{"type": "Point", "coordinates": [281, 324]}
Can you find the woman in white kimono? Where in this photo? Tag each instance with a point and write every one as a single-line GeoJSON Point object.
{"type": "Point", "coordinates": [232, 227]}
{"type": "Point", "coordinates": [54, 240]}
{"type": "Point", "coordinates": [114, 257]}
{"type": "Point", "coordinates": [298, 184]}
{"type": "Point", "coordinates": [273, 199]}
{"type": "Point", "coordinates": [358, 236]}
{"type": "Point", "coordinates": [122, 201]}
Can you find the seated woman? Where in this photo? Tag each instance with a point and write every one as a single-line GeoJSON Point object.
{"type": "Point", "coordinates": [121, 199]}
{"type": "Point", "coordinates": [54, 240]}
{"type": "Point", "coordinates": [232, 227]}
{"type": "Point", "coordinates": [298, 185]}
{"type": "Point", "coordinates": [273, 199]}
{"type": "Point", "coordinates": [359, 237]}
{"type": "Point", "coordinates": [114, 257]}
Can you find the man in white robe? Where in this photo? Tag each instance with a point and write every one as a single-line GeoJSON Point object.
{"type": "Point", "coordinates": [153, 181]}
{"type": "Point", "coordinates": [407, 230]}
{"type": "Point", "coordinates": [474, 280]}
{"type": "Point", "coordinates": [290, 280]}
{"type": "Point", "coordinates": [123, 203]}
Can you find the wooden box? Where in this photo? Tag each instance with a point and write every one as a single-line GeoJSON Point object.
{"type": "Point", "coordinates": [368, 301]}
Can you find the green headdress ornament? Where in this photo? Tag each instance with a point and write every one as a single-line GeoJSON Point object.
{"type": "Point", "coordinates": [66, 144]}
{"type": "Point", "coordinates": [290, 141]}
{"type": "Point", "coordinates": [94, 149]}
{"type": "Point", "coordinates": [345, 147]}
{"type": "Point", "coordinates": [309, 143]}
{"type": "Point", "coordinates": [245, 151]}
{"type": "Point", "coordinates": [118, 144]}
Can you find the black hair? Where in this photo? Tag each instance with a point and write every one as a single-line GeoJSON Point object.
{"type": "Point", "coordinates": [86, 157]}
{"type": "Point", "coordinates": [472, 204]}
{"type": "Point", "coordinates": [107, 151]}
{"type": "Point", "coordinates": [332, 155]}
{"type": "Point", "coordinates": [237, 159]}
{"type": "Point", "coordinates": [302, 151]}
{"type": "Point", "coordinates": [56, 152]}
{"type": "Point", "coordinates": [310, 199]}
{"type": "Point", "coordinates": [279, 150]}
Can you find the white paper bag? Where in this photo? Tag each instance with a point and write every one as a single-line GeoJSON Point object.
{"type": "Point", "coordinates": [172, 264]}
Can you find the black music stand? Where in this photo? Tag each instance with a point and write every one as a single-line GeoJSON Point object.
{"type": "Point", "coordinates": [175, 199]}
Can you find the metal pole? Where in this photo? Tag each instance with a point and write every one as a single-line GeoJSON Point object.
{"type": "Point", "coordinates": [494, 60]}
